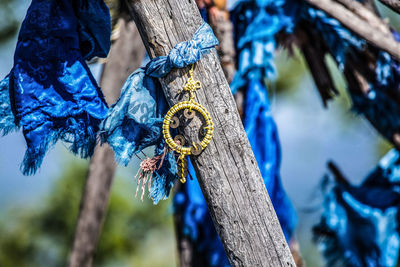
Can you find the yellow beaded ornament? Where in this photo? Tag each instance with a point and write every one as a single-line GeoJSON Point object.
{"type": "Point", "coordinates": [172, 121]}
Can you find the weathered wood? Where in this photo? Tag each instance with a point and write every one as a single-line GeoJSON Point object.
{"type": "Point", "coordinates": [358, 26]}
{"type": "Point", "coordinates": [125, 56]}
{"type": "Point", "coordinates": [227, 170]}
{"type": "Point", "coordinates": [223, 30]}
{"type": "Point", "coordinates": [393, 4]}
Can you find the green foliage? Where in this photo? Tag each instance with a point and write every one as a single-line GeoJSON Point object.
{"type": "Point", "coordinates": [134, 234]}
{"type": "Point", "coordinates": [291, 70]}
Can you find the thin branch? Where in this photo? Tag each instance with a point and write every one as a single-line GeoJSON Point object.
{"type": "Point", "coordinates": [314, 55]}
{"type": "Point", "coordinates": [126, 55]}
{"type": "Point", "coordinates": [358, 26]}
{"type": "Point", "coordinates": [367, 15]}
{"type": "Point", "coordinates": [392, 4]}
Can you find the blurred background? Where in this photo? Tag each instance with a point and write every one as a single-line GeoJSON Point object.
{"type": "Point", "coordinates": [38, 213]}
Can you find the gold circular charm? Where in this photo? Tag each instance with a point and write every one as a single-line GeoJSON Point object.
{"type": "Point", "coordinates": [189, 111]}
{"type": "Point", "coordinates": [167, 124]}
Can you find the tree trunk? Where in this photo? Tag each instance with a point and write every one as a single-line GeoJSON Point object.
{"type": "Point", "coordinates": [125, 56]}
{"type": "Point", "coordinates": [227, 169]}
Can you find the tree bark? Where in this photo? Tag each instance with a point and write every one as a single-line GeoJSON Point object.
{"type": "Point", "coordinates": [227, 169]}
{"type": "Point", "coordinates": [392, 4]}
{"type": "Point", "coordinates": [223, 30]}
{"type": "Point", "coordinates": [367, 13]}
{"type": "Point", "coordinates": [358, 26]}
{"type": "Point", "coordinates": [125, 56]}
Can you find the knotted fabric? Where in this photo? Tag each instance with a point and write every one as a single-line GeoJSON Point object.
{"type": "Point", "coordinates": [135, 121]}
{"type": "Point", "coordinates": [50, 89]}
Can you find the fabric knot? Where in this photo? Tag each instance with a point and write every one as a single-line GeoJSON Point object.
{"type": "Point", "coordinates": [183, 54]}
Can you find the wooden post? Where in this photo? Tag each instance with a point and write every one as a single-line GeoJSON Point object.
{"type": "Point", "coordinates": [125, 56]}
{"type": "Point", "coordinates": [227, 169]}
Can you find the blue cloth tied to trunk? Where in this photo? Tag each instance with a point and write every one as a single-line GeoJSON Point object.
{"type": "Point", "coordinates": [135, 121]}
{"type": "Point", "coordinates": [50, 89]}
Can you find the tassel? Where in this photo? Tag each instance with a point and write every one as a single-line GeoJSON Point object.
{"type": "Point", "coordinates": [146, 171]}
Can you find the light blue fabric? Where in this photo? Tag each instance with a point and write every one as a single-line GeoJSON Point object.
{"type": "Point", "coordinates": [135, 121]}
{"type": "Point", "coordinates": [7, 123]}
{"type": "Point", "coordinates": [256, 23]}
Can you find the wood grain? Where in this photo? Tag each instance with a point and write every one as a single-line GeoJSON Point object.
{"type": "Point", "coordinates": [227, 170]}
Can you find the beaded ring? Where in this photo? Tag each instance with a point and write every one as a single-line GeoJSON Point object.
{"type": "Point", "coordinates": [170, 121]}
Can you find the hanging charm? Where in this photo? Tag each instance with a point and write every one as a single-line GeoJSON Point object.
{"type": "Point", "coordinates": [171, 120]}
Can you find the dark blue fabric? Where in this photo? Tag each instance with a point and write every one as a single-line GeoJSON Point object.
{"type": "Point", "coordinates": [359, 224]}
{"type": "Point", "coordinates": [191, 206]}
{"type": "Point", "coordinates": [53, 94]}
{"type": "Point", "coordinates": [197, 223]}
{"type": "Point", "coordinates": [135, 121]}
{"type": "Point", "coordinates": [263, 136]}
{"type": "Point", "coordinates": [380, 104]}
{"type": "Point", "coordinates": [94, 27]}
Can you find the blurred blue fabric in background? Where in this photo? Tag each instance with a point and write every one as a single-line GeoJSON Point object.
{"type": "Point", "coordinates": [359, 224]}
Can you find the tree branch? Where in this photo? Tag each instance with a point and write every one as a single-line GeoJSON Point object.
{"type": "Point", "coordinates": [358, 26]}
{"type": "Point", "coordinates": [125, 56]}
{"type": "Point", "coordinates": [367, 15]}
